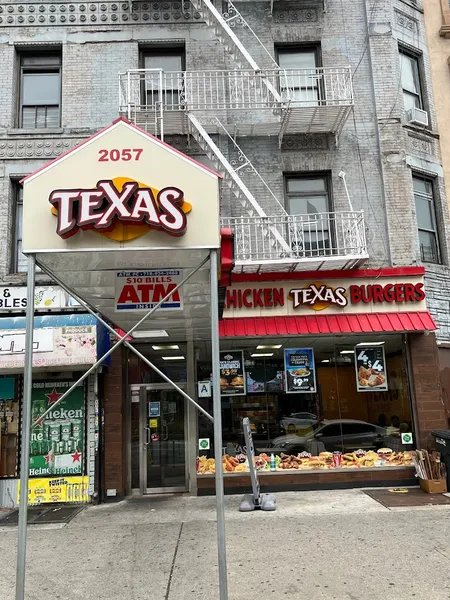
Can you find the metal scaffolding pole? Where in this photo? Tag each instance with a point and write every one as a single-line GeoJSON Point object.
{"type": "Point", "coordinates": [217, 412]}
{"type": "Point", "coordinates": [26, 429]}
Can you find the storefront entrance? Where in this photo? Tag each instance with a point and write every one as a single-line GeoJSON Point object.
{"type": "Point", "coordinates": [158, 442]}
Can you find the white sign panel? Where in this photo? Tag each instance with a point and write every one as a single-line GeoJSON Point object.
{"type": "Point", "coordinates": [142, 290]}
{"type": "Point", "coordinates": [204, 389]}
{"type": "Point", "coordinates": [12, 341]}
{"type": "Point", "coordinates": [45, 298]}
{"type": "Point", "coordinates": [53, 347]}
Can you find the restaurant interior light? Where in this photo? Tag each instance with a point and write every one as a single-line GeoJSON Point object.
{"type": "Point", "coordinates": [258, 354]}
{"type": "Point", "coordinates": [172, 357]}
{"type": "Point", "coordinates": [150, 333]}
{"type": "Point", "coordinates": [326, 360]}
{"type": "Point", "coordinates": [274, 347]}
{"type": "Point", "coordinates": [347, 352]}
{"type": "Point", "coordinates": [174, 347]}
{"type": "Point", "coordinates": [370, 344]}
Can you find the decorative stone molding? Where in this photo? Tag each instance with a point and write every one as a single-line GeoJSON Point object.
{"type": "Point", "coordinates": [47, 148]}
{"type": "Point", "coordinates": [284, 12]}
{"type": "Point", "coordinates": [305, 142]}
{"type": "Point", "coordinates": [406, 22]}
{"type": "Point", "coordinates": [33, 14]}
{"type": "Point", "coordinates": [420, 144]}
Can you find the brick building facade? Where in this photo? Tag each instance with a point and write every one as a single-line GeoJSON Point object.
{"type": "Point", "coordinates": [360, 72]}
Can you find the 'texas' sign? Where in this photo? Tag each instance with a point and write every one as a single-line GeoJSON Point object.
{"type": "Point", "coordinates": [117, 201]}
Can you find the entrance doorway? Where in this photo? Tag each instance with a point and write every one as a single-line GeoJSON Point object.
{"type": "Point", "coordinates": [158, 439]}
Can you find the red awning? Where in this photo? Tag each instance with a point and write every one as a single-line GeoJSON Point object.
{"type": "Point", "coordinates": [323, 324]}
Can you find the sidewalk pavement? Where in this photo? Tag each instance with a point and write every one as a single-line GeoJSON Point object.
{"type": "Point", "coordinates": [339, 545]}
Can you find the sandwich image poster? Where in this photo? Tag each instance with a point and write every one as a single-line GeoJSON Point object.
{"type": "Point", "coordinates": [232, 373]}
{"type": "Point", "coordinates": [370, 365]}
{"type": "Point", "coordinates": [300, 372]}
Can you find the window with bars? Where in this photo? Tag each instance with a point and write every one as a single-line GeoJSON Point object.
{"type": "Point", "coordinates": [165, 87]}
{"type": "Point", "coordinates": [40, 91]}
{"type": "Point", "coordinates": [300, 80]}
{"type": "Point", "coordinates": [426, 219]}
{"type": "Point", "coordinates": [308, 197]}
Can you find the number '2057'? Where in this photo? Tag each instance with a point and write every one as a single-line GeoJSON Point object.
{"type": "Point", "coordinates": [115, 155]}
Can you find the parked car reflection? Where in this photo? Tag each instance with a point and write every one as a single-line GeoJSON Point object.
{"type": "Point", "coordinates": [344, 435]}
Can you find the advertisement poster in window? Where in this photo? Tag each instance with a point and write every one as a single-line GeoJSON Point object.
{"type": "Point", "coordinates": [370, 365]}
{"type": "Point", "coordinates": [232, 373]}
{"type": "Point", "coordinates": [57, 440]}
{"type": "Point", "coordinates": [300, 370]}
{"type": "Point", "coordinates": [265, 377]}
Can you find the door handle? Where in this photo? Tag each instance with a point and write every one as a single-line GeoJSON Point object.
{"type": "Point", "coordinates": [147, 430]}
{"type": "Point", "coordinates": [166, 436]}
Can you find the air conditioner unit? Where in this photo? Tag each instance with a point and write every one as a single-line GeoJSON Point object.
{"type": "Point", "coordinates": [417, 116]}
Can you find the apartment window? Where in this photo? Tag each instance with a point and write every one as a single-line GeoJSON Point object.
{"type": "Point", "coordinates": [308, 198]}
{"type": "Point", "coordinates": [163, 87]}
{"type": "Point", "coordinates": [19, 260]}
{"type": "Point", "coordinates": [300, 79]}
{"type": "Point", "coordinates": [426, 219]}
{"type": "Point", "coordinates": [40, 91]}
{"type": "Point", "coordinates": [410, 75]}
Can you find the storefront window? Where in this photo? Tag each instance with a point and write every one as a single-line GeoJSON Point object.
{"type": "Point", "coordinates": [358, 415]}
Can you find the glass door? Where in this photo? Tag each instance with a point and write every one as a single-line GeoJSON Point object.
{"type": "Point", "coordinates": [163, 458]}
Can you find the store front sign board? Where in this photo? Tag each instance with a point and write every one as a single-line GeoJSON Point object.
{"type": "Point", "coordinates": [52, 347]}
{"type": "Point", "coordinates": [122, 188]}
{"type": "Point", "coordinates": [14, 298]}
{"type": "Point", "coordinates": [333, 296]}
{"type": "Point", "coordinates": [142, 290]}
{"type": "Point", "coordinates": [57, 490]}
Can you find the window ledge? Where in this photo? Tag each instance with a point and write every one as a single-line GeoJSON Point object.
{"type": "Point", "coordinates": [419, 129]}
{"type": "Point", "coordinates": [46, 131]}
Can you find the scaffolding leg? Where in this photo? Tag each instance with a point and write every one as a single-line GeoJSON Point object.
{"type": "Point", "coordinates": [26, 428]}
{"type": "Point", "coordinates": [217, 413]}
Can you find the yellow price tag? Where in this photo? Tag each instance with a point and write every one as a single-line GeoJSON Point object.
{"type": "Point", "coordinates": [153, 423]}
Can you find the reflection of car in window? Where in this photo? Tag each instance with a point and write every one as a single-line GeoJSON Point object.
{"type": "Point", "coordinates": [300, 420]}
{"type": "Point", "coordinates": [344, 435]}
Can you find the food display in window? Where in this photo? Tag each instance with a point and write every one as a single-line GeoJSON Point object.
{"type": "Point", "coordinates": [385, 457]}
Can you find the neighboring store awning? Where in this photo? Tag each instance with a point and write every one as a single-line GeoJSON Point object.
{"type": "Point", "coordinates": [323, 324]}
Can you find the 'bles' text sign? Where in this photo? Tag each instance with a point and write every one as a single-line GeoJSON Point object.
{"type": "Point", "coordinates": [142, 290]}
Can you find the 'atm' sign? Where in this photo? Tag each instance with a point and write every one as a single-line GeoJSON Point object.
{"type": "Point", "coordinates": [142, 290]}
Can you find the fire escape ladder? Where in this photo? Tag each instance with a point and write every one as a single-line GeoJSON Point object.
{"type": "Point", "coordinates": [236, 185]}
{"type": "Point", "coordinates": [223, 28]}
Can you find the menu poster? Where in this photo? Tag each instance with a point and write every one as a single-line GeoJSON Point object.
{"type": "Point", "coordinates": [300, 370]}
{"type": "Point", "coordinates": [232, 373]}
{"type": "Point", "coordinates": [370, 365]}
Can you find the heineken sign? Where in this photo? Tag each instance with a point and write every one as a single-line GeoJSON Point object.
{"type": "Point", "coordinates": [57, 440]}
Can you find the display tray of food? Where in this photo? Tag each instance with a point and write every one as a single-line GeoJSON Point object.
{"type": "Point", "coordinates": [383, 458]}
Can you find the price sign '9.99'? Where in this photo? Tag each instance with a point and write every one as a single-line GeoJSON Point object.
{"type": "Point", "coordinates": [370, 365]}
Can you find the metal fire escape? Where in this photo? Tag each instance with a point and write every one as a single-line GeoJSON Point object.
{"type": "Point", "coordinates": [256, 101]}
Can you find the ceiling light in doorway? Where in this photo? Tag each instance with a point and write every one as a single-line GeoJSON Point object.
{"type": "Point", "coordinates": [174, 347]}
{"type": "Point", "coordinates": [347, 352]}
{"type": "Point", "coordinates": [370, 344]}
{"type": "Point", "coordinates": [326, 360]}
{"type": "Point", "coordinates": [172, 357]}
{"type": "Point", "coordinates": [153, 333]}
{"type": "Point", "coordinates": [275, 347]}
{"type": "Point", "coordinates": [261, 354]}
